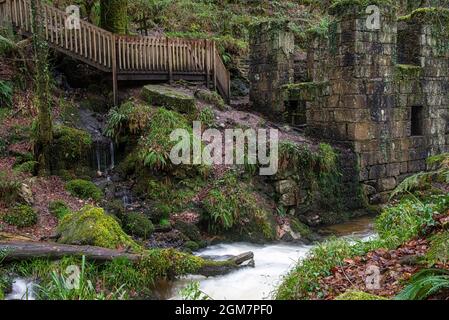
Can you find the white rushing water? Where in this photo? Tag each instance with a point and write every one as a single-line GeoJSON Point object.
{"type": "Point", "coordinates": [22, 289]}
{"type": "Point", "coordinates": [272, 262]}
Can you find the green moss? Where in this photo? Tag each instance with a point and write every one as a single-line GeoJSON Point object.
{"type": "Point", "coordinates": [92, 226]}
{"type": "Point", "coordinates": [307, 91]}
{"type": "Point", "coordinates": [59, 209]}
{"type": "Point", "coordinates": [114, 15]}
{"type": "Point", "coordinates": [342, 7]}
{"type": "Point", "coordinates": [299, 227]}
{"type": "Point", "coordinates": [70, 147]}
{"type": "Point", "coordinates": [21, 216]}
{"type": "Point", "coordinates": [192, 245]}
{"type": "Point", "coordinates": [210, 97]}
{"type": "Point", "coordinates": [84, 189]}
{"type": "Point", "coordinates": [428, 15]}
{"type": "Point", "coordinates": [405, 72]}
{"type": "Point", "coordinates": [359, 295]}
{"type": "Point", "coordinates": [162, 96]}
{"type": "Point", "coordinates": [189, 230]}
{"type": "Point", "coordinates": [138, 225]}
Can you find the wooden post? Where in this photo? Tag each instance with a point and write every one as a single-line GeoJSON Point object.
{"type": "Point", "coordinates": [114, 70]}
{"type": "Point", "coordinates": [206, 62]}
{"type": "Point", "coordinates": [170, 60]}
{"type": "Point", "coordinates": [214, 65]}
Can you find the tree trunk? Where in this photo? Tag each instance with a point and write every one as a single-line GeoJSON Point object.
{"type": "Point", "coordinates": [44, 130]}
{"type": "Point", "coordinates": [114, 15]}
{"type": "Point", "coordinates": [23, 250]}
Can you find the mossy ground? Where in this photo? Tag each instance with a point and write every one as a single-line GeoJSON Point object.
{"type": "Point", "coordinates": [358, 295]}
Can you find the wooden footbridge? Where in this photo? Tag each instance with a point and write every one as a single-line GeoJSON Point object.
{"type": "Point", "coordinates": [125, 57]}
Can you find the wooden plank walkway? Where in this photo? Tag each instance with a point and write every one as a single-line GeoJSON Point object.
{"type": "Point", "coordinates": [126, 57]}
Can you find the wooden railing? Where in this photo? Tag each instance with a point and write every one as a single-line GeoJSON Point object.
{"type": "Point", "coordinates": [127, 57]}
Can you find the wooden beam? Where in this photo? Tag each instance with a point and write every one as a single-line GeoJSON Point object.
{"type": "Point", "coordinates": [114, 70]}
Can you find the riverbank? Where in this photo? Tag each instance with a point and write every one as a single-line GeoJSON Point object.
{"type": "Point", "coordinates": [412, 236]}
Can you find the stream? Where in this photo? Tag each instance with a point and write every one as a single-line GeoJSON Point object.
{"type": "Point", "coordinates": [272, 262]}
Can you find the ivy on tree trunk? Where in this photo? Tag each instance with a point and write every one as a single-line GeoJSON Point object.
{"type": "Point", "coordinates": [44, 131]}
{"type": "Point", "coordinates": [114, 15]}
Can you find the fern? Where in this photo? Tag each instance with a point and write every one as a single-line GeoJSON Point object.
{"type": "Point", "coordinates": [6, 94]}
{"type": "Point", "coordinates": [425, 284]}
{"type": "Point", "coordinates": [423, 180]}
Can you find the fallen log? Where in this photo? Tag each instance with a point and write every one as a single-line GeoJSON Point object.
{"type": "Point", "coordinates": [26, 250]}
{"type": "Point", "coordinates": [18, 250]}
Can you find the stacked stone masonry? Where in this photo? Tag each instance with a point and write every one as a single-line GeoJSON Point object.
{"type": "Point", "coordinates": [383, 92]}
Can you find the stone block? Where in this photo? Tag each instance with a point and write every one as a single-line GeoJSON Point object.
{"type": "Point", "coordinates": [386, 184]}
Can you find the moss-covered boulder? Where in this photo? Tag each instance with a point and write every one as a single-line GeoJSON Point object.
{"type": "Point", "coordinates": [70, 147]}
{"type": "Point", "coordinates": [162, 96]}
{"type": "Point", "coordinates": [210, 97]}
{"type": "Point", "coordinates": [92, 226]}
{"type": "Point", "coordinates": [21, 216]}
{"type": "Point", "coordinates": [84, 189]}
{"type": "Point", "coordinates": [359, 295]}
{"type": "Point", "coordinates": [138, 225]}
{"type": "Point", "coordinates": [59, 209]}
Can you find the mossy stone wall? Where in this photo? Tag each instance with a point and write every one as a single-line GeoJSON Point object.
{"type": "Point", "coordinates": [271, 65]}
{"type": "Point", "coordinates": [376, 79]}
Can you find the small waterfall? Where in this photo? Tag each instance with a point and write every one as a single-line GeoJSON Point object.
{"type": "Point", "coordinates": [112, 154]}
{"type": "Point", "coordinates": [103, 155]}
{"type": "Point", "coordinates": [127, 198]}
{"type": "Point", "coordinates": [21, 290]}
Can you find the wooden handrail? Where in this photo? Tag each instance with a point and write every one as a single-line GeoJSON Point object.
{"type": "Point", "coordinates": [121, 55]}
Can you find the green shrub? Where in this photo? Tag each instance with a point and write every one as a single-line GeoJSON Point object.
{"type": "Point", "coordinates": [156, 145]}
{"type": "Point", "coordinates": [425, 284]}
{"type": "Point", "coordinates": [21, 216]}
{"type": "Point", "coordinates": [26, 167]}
{"type": "Point", "coordinates": [59, 209]}
{"type": "Point", "coordinates": [232, 205]}
{"type": "Point", "coordinates": [84, 189]}
{"type": "Point", "coordinates": [207, 117]}
{"type": "Point", "coordinates": [9, 187]}
{"type": "Point", "coordinates": [439, 249]}
{"type": "Point", "coordinates": [92, 226]}
{"type": "Point", "coordinates": [138, 225]}
{"type": "Point", "coordinates": [129, 118]}
{"type": "Point", "coordinates": [6, 94]}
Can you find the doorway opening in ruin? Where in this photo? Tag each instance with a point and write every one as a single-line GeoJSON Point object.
{"type": "Point", "coordinates": [296, 112]}
{"type": "Point", "coordinates": [417, 119]}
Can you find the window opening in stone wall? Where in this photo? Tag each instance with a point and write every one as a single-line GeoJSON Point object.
{"type": "Point", "coordinates": [417, 128]}
{"type": "Point", "coordinates": [408, 47]}
{"type": "Point", "coordinates": [296, 113]}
